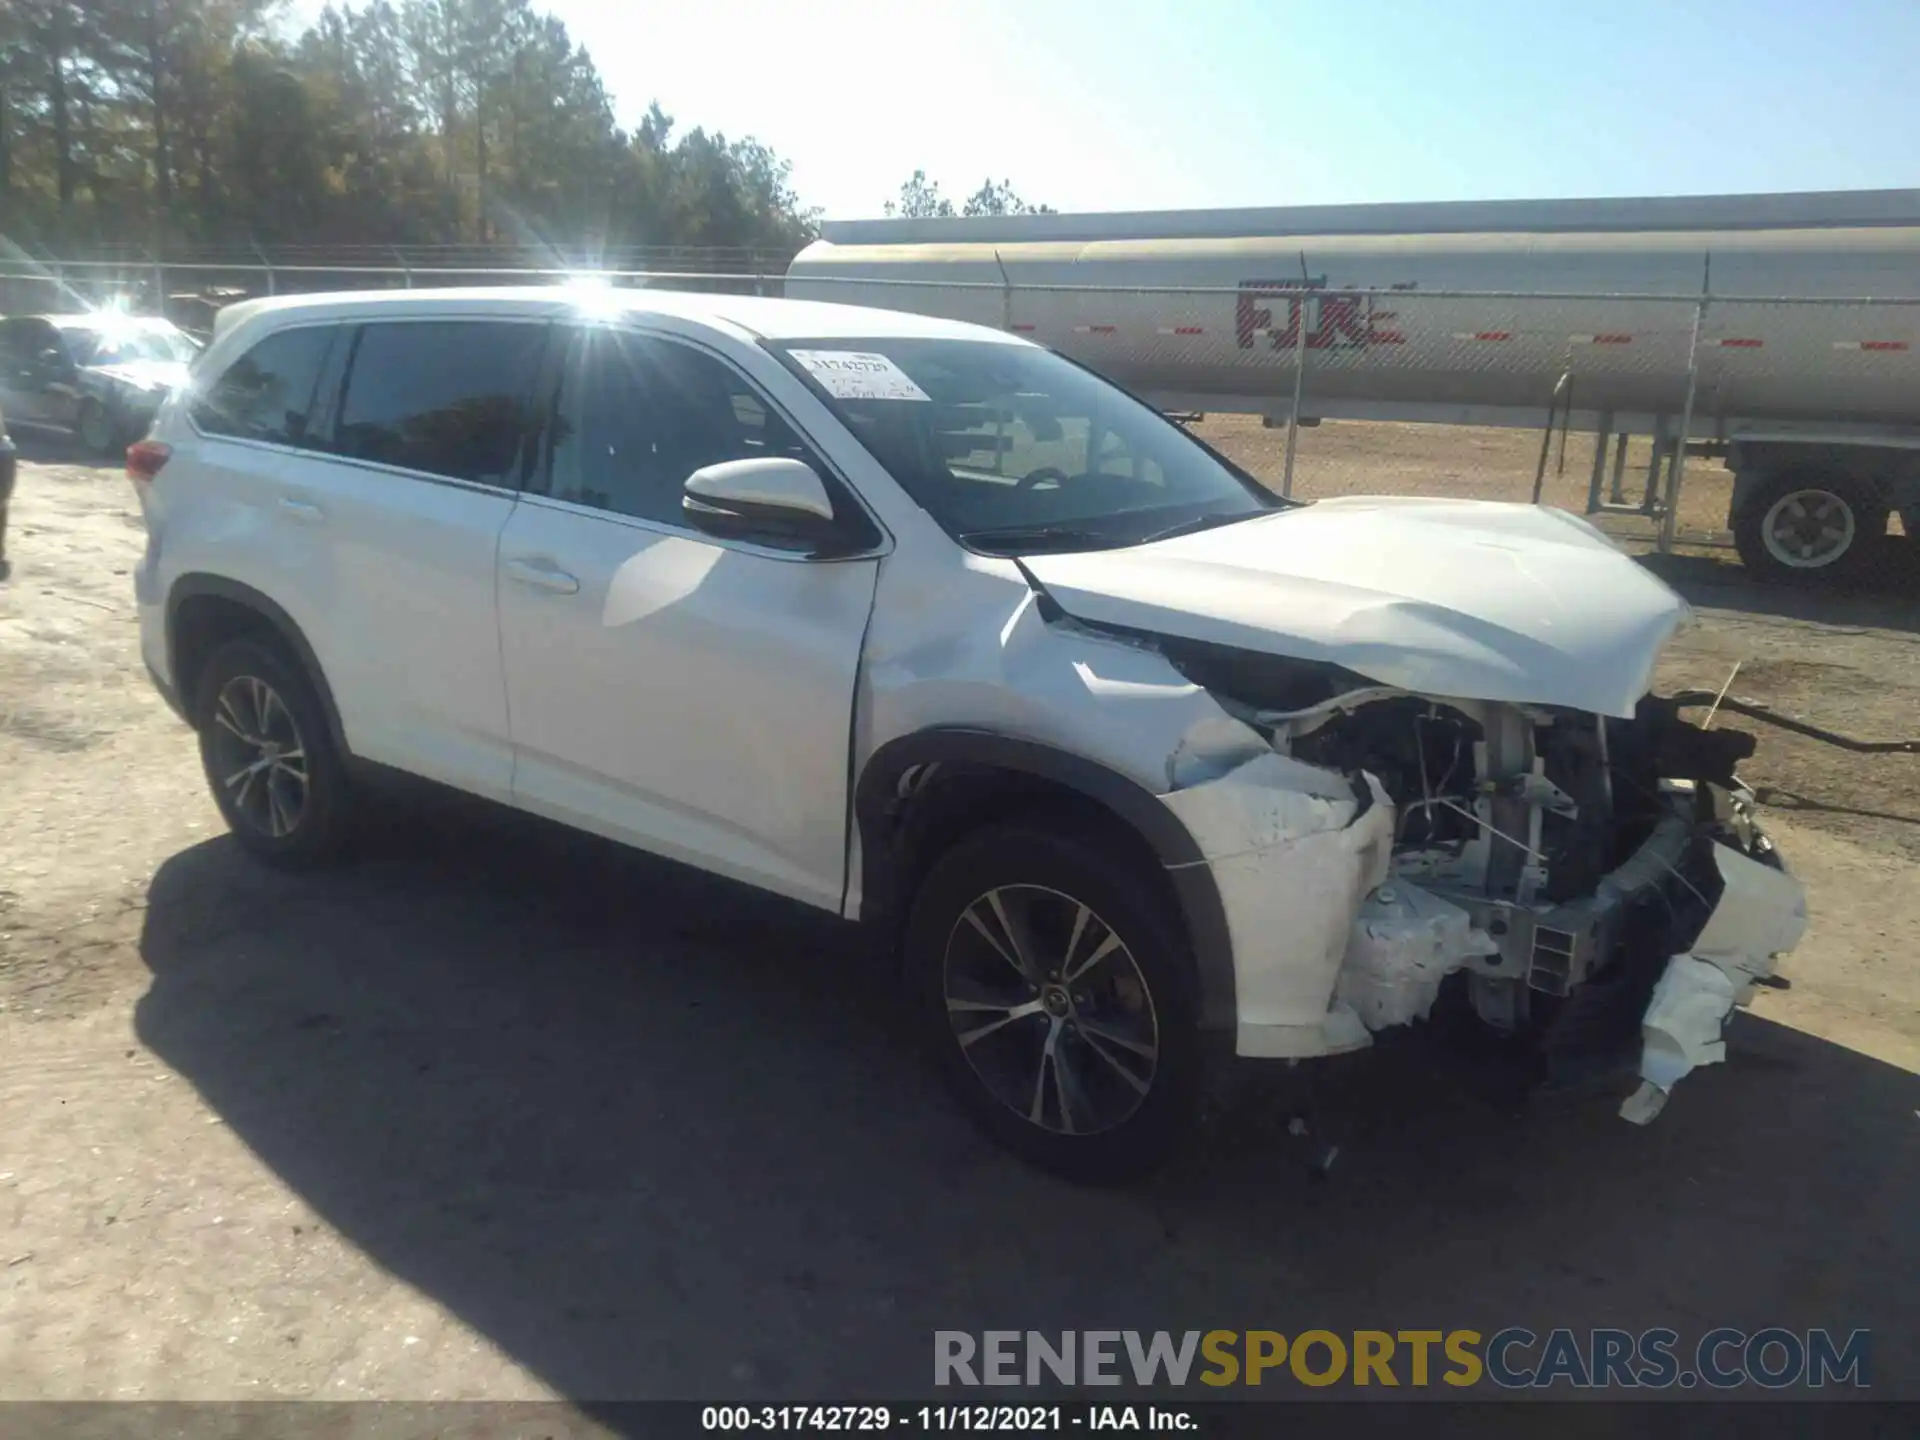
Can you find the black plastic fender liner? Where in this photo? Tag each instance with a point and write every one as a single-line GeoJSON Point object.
{"type": "Point", "coordinates": [1201, 910]}
{"type": "Point", "coordinates": [1595, 1030]}
{"type": "Point", "coordinates": [1766, 715]}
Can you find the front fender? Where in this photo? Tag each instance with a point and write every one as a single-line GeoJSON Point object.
{"type": "Point", "coordinates": [880, 788]}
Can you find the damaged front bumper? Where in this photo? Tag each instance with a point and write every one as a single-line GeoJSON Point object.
{"type": "Point", "coordinates": [1761, 915]}
{"type": "Point", "coordinates": [1294, 851]}
{"type": "Point", "coordinates": [1334, 940]}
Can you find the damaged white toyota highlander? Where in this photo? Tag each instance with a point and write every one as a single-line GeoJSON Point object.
{"type": "Point", "coordinates": [1138, 767]}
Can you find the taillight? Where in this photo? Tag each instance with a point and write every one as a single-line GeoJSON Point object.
{"type": "Point", "coordinates": [145, 457]}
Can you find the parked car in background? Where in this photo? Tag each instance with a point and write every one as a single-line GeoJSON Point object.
{"type": "Point", "coordinates": [100, 375]}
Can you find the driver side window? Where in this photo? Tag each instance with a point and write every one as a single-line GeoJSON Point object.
{"type": "Point", "coordinates": [635, 415]}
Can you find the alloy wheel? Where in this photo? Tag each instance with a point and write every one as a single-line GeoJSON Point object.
{"type": "Point", "coordinates": [1051, 1009]}
{"type": "Point", "coordinates": [258, 757]}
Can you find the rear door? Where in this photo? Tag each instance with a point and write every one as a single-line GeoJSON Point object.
{"type": "Point", "coordinates": [218, 513]}
{"type": "Point", "coordinates": [689, 695]}
{"type": "Point", "coordinates": [433, 423]}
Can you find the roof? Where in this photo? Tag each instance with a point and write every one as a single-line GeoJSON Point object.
{"type": "Point", "coordinates": [762, 316]}
{"type": "Point", "coordinates": [1826, 209]}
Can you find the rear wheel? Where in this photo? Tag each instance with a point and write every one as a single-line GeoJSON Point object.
{"type": "Point", "coordinates": [274, 771]}
{"type": "Point", "coordinates": [1056, 996]}
{"type": "Point", "coordinates": [1810, 526]}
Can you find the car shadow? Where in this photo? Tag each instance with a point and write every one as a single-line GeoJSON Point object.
{"type": "Point", "coordinates": [1885, 601]}
{"type": "Point", "coordinates": [654, 1136]}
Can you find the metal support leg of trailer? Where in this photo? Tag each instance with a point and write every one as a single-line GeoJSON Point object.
{"type": "Point", "coordinates": [1601, 435]}
{"type": "Point", "coordinates": [1662, 448]}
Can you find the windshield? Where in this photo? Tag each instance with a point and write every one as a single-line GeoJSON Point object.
{"type": "Point", "coordinates": [123, 345]}
{"type": "Point", "coordinates": [1011, 447]}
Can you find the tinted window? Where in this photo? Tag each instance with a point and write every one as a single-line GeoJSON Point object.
{"type": "Point", "coordinates": [638, 416]}
{"type": "Point", "coordinates": [268, 393]}
{"type": "Point", "coordinates": [14, 350]}
{"type": "Point", "coordinates": [447, 397]}
{"type": "Point", "coordinates": [26, 338]}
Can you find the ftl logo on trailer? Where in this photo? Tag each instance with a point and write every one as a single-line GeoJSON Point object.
{"type": "Point", "coordinates": [1337, 322]}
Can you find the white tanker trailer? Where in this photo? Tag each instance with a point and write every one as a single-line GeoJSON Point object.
{"type": "Point", "coordinates": [1806, 371]}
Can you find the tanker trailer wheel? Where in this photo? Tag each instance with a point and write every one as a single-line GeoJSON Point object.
{"type": "Point", "coordinates": [1807, 526]}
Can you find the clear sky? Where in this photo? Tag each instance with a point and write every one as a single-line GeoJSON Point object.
{"type": "Point", "coordinates": [1144, 104]}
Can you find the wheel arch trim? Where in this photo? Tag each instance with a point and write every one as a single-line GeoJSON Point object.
{"type": "Point", "coordinates": [1201, 910]}
{"type": "Point", "coordinates": [196, 586]}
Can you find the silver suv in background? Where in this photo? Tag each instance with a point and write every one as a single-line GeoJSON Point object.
{"type": "Point", "coordinates": [100, 375]}
{"type": "Point", "coordinates": [1140, 769]}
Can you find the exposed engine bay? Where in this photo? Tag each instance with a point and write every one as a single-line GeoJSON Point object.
{"type": "Point", "coordinates": [1555, 861]}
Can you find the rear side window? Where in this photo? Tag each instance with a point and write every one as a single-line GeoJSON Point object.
{"type": "Point", "coordinates": [450, 397]}
{"type": "Point", "coordinates": [16, 342]}
{"type": "Point", "coordinates": [268, 393]}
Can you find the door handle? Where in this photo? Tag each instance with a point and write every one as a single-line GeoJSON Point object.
{"type": "Point", "coordinates": [305, 511]}
{"type": "Point", "coordinates": [543, 575]}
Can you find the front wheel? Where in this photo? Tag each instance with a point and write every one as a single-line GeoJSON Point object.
{"type": "Point", "coordinates": [1056, 995]}
{"type": "Point", "coordinates": [1806, 526]}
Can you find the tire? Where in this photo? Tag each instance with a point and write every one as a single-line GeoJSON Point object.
{"type": "Point", "coordinates": [96, 429]}
{"type": "Point", "coordinates": [1810, 526]}
{"type": "Point", "coordinates": [258, 717]}
{"type": "Point", "coordinates": [1113, 1101]}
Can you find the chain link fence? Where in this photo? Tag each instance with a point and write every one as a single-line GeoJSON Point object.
{"type": "Point", "coordinates": [1572, 400]}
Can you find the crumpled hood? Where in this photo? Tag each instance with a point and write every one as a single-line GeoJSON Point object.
{"type": "Point", "coordinates": [151, 375]}
{"type": "Point", "coordinates": [1463, 598]}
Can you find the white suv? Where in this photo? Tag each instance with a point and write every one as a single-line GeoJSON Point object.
{"type": "Point", "coordinates": [1139, 767]}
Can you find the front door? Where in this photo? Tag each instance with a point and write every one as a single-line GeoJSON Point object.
{"type": "Point", "coordinates": [687, 695]}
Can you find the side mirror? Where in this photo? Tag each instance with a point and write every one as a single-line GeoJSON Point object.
{"type": "Point", "coordinates": [771, 498]}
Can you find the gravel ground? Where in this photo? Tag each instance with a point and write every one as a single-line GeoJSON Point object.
{"type": "Point", "coordinates": [501, 1112]}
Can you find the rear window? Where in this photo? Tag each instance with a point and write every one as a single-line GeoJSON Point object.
{"type": "Point", "coordinates": [268, 393]}
{"type": "Point", "coordinates": [452, 397]}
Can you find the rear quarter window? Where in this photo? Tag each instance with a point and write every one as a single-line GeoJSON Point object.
{"type": "Point", "coordinates": [269, 392]}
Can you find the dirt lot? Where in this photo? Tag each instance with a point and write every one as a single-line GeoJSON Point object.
{"type": "Point", "coordinates": [499, 1112]}
{"type": "Point", "coordinates": [1349, 458]}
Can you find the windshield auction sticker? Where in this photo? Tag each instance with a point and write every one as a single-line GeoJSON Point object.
{"type": "Point", "coordinates": [857, 375]}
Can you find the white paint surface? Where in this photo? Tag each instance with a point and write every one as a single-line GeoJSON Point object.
{"type": "Point", "coordinates": [1442, 597]}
